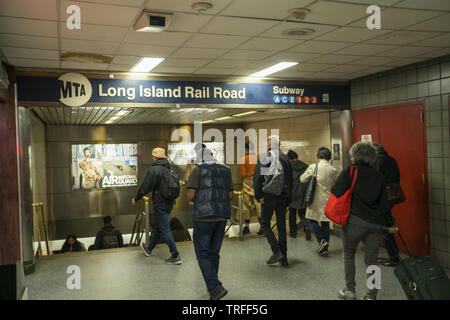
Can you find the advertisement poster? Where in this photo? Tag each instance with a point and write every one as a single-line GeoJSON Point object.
{"type": "Point", "coordinates": [100, 166]}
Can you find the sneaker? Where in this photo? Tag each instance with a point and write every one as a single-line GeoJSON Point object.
{"type": "Point", "coordinates": [368, 298]}
{"type": "Point", "coordinates": [174, 260]}
{"type": "Point", "coordinates": [246, 230]}
{"type": "Point", "coordinates": [324, 253]}
{"type": "Point", "coordinates": [146, 252]}
{"type": "Point", "coordinates": [260, 233]}
{"type": "Point", "coordinates": [323, 246]}
{"type": "Point", "coordinates": [218, 293]}
{"type": "Point", "coordinates": [346, 294]}
{"type": "Point", "coordinates": [276, 257]}
{"type": "Point", "coordinates": [308, 234]}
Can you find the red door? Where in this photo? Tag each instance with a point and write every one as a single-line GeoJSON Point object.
{"type": "Point", "coordinates": [401, 130]}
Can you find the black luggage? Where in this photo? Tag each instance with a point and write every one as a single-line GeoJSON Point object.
{"type": "Point", "coordinates": [422, 278]}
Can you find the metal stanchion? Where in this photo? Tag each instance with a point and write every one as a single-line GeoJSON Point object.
{"type": "Point", "coordinates": [147, 219]}
{"type": "Point", "coordinates": [232, 220]}
{"type": "Point", "coordinates": [137, 225]}
{"type": "Point", "coordinates": [40, 207]}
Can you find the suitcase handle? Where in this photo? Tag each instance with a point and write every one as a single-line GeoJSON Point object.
{"type": "Point", "coordinates": [403, 242]}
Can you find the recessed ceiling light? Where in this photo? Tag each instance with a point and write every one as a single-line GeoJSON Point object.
{"type": "Point", "coordinates": [201, 7]}
{"type": "Point", "coordinates": [298, 32]}
{"type": "Point", "coordinates": [275, 68]}
{"type": "Point", "coordinates": [146, 64]}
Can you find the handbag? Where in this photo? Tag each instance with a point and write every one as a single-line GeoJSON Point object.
{"type": "Point", "coordinates": [395, 193]}
{"type": "Point", "coordinates": [311, 188]}
{"type": "Point", "coordinates": [338, 208]}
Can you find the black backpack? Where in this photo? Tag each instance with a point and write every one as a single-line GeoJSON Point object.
{"type": "Point", "coordinates": [169, 188]}
{"type": "Point", "coordinates": [110, 239]}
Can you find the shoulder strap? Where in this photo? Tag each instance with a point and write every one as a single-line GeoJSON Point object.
{"type": "Point", "coordinates": [354, 176]}
{"type": "Point", "coordinates": [316, 169]}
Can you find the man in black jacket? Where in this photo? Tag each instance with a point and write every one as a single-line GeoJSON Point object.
{"type": "Point", "coordinates": [297, 197]}
{"type": "Point", "coordinates": [108, 237]}
{"type": "Point", "coordinates": [388, 167]}
{"type": "Point", "coordinates": [264, 171]}
{"type": "Point", "coordinates": [162, 206]}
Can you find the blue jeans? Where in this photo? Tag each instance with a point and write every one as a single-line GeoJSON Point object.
{"type": "Point", "coordinates": [162, 230]}
{"type": "Point", "coordinates": [207, 238]}
{"type": "Point", "coordinates": [322, 233]}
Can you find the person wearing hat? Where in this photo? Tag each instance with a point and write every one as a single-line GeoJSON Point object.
{"type": "Point", "coordinates": [162, 206]}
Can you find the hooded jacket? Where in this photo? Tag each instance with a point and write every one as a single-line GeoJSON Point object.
{"type": "Point", "coordinates": [152, 180]}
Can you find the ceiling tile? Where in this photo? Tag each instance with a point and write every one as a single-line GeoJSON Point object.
{"type": "Point", "coordinates": [370, 2]}
{"type": "Point", "coordinates": [396, 18]}
{"type": "Point", "coordinates": [374, 70]}
{"type": "Point", "coordinates": [373, 61]}
{"type": "Point", "coordinates": [15, 40]}
{"type": "Point", "coordinates": [407, 51]}
{"type": "Point", "coordinates": [214, 41]}
{"type": "Point", "coordinates": [441, 23]}
{"type": "Point", "coordinates": [291, 74]}
{"type": "Point", "coordinates": [293, 56]}
{"type": "Point", "coordinates": [97, 47]}
{"type": "Point", "coordinates": [405, 61]}
{"type": "Point", "coordinates": [130, 49]}
{"type": "Point", "coordinates": [166, 39]}
{"type": "Point", "coordinates": [95, 32]}
{"type": "Point", "coordinates": [365, 49]}
{"type": "Point", "coordinates": [335, 13]}
{"type": "Point", "coordinates": [352, 34]}
{"type": "Point", "coordinates": [196, 53]}
{"type": "Point", "coordinates": [219, 71]}
{"type": "Point", "coordinates": [83, 66]}
{"type": "Point", "coordinates": [313, 67]}
{"type": "Point", "coordinates": [347, 68]}
{"type": "Point", "coordinates": [187, 22]}
{"type": "Point", "coordinates": [126, 60]}
{"type": "Point", "coordinates": [173, 62]}
{"type": "Point", "coordinates": [335, 59]}
{"type": "Point", "coordinates": [439, 41]}
{"type": "Point", "coordinates": [248, 54]}
{"type": "Point", "coordinates": [402, 37]}
{"type": "Point", "coordinates": [237, 26]}
{"type": "Point", "coordinates": [442, 5]}
{"type": "Point", "coordinates": [168, 69]}
{"type": "Point", "coordinates": [436, 53]}
{"type": "Point", "coordinates": [42, 9]}
{"type": "Point", "coordinates": [323, 47]}
{"type": "Point", "coordinates": [277, 31]}
{"type": "Point", "coordinates": [111, 15]}
{"type": "Point", "coordinates": [184, 6]}
{"type": "Point", "coordinates": [28, 27]}
{"type": "Point", "coordinates": [269, 44]}
{"type": "Point", "coordinates": [30, 53]}
{"type": "Point", "coordinates": [130, 3]}
{"type": "Point", "coordinates": [263, 9]}
{"type": "Point", "coordinates": [120, 67]}
{"type": "Point", "coordinates": [18, 62]}
{"type": "Point", "coordinates": [325, 75]}
{"type": "Point", "coordinates": [232, 63]}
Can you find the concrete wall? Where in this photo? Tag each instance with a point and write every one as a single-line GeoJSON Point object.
{"type": "Point", "coordinates": [429, 81]}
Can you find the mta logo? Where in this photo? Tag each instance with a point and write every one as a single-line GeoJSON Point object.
{"type": "Point", "coordinates": [74, 89]}
{"type": "Point", "coordinates": [69, 89]}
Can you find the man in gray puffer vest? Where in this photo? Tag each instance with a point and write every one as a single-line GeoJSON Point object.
{"type": "Point", "coordinates": [210, 187]}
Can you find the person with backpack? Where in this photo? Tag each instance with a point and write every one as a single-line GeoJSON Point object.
{"type": "Point", "coordinates": [297, 204]}
{"type": "Point", "coordinates": [164, 184]}
{"type": "Point", "coordinates": [210, 188]}
{"type": "Point", "coordinates": [272, 183]}
{"type": "Point", "coordinates": [108, 237]}
{"type": "Point", "coordinates": [325, 176]}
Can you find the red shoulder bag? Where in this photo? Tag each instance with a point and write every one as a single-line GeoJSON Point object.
{"type": "Point", "coordinates": [338, 208]}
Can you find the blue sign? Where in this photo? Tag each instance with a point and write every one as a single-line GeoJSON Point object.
{"type": "Point", "coordinates": [74, 89]}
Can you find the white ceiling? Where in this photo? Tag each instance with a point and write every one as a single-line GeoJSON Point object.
{"type": "Point", "coordinates": [234, 38]}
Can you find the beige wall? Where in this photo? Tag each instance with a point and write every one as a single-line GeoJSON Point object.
{"type": "Point", "coordinates": [305, 134]}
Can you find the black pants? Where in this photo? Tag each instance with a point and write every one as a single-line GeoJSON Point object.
{"type": "Point", "coordinates": [279, 206]}
{"type": "Point", "coordinates": [293, 220]}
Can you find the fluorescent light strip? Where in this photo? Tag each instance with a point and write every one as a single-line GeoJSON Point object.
{"type": "Point", "coordinates": [146, 64]}
{"type": "Point", "coordinates": [208, 121]}
{"type": "Point", "coordinates": [121, 113]}
{"type": "Point", "coordinates": [244, 114]}
{"type": "Point", "coordinates": [278, 67]}
{"type": "Point", "coordinates": [223, 118]}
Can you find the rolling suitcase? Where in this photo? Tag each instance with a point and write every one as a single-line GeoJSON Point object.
{"type": "Point", "coordinates": [422, 278]}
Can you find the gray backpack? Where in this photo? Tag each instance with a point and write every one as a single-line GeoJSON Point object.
{"type": "Point", "coordinates": [274, 184]}
{"type": "Point", "coordinates": [110, 239]}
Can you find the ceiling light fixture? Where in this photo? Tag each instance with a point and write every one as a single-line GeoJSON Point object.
{"type": "Point", "coordinates": [275, 68]}
{"type": "Point", "coordinates": [299, 13]}
{"type": "Point", "coordinates": [146, 64]}
{"type": "Point", "coordinates": [298, 32]}
{"type": "Point", "coordinates": [121, 113]}
{"type": "Point", "coordinates": [223, 118]}
{"type": "Point", "coordinates": [244, 114]}
{"type": "Point", "coordinates": [208, 121]}
{"type": "Point", "coordinates": [201, 7]}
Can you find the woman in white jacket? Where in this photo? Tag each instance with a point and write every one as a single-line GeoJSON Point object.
{"type": "Point", "coordinates": [315, 213]}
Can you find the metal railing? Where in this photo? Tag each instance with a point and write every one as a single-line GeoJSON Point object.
{"type": "Point", "coordinates": [237, 209]}
{"type": "Point", "coordinates": [41, 232]}
{"type": "Point", "coordinates": [143, 211]}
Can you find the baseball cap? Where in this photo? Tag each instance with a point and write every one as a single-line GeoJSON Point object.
{"type": "Point", "coordinates": [159, 153]}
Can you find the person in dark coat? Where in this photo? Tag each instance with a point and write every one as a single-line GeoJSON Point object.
{"type": "Point", "coordinates": [268, 163]}
{"type": "Point", "coordinates": [389, 169]}
{"type": "Point", "coordinates": [108, 237]}
{"type": "Point", "coordinates": [72, 245]}
{"type": "Point", "coordinates": [297, 205]}
{"type": "Point", "coordinates": [369, 215]}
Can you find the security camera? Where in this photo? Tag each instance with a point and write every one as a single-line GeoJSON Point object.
{"type": "Point", "coordinates": [152, 22]}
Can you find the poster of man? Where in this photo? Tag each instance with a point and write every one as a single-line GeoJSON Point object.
{"type": "Point", "coordinates": [97, 166]}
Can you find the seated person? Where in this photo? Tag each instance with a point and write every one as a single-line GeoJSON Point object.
{"type": "Point", "coordinates": [108, 237]}
{"type": "Point", "coordinates": [72, 245]}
